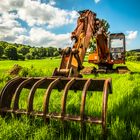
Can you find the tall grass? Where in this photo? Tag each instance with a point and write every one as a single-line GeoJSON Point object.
{"type": "Point", "coordinates": [123, 106]}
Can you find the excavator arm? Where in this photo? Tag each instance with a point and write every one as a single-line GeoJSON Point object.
{"type": "Point", "coordinates": [72, 57]}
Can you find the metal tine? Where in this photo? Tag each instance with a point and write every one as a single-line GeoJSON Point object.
{"type": "Point", "coordinates": [47, 97]}
{"type": "Point", "coordinates": [9, 84]}
{"type": "Point", "coordinates": [7, 87]}
{"type": "Point", "coordinates": [83, 101]}
{"type": "Point", "coordinates": [64, 98]}
{"type": "Point", "coordinates": [107, 85]}
{"type": "Point", "coordinates": [18, 91]}
{"type": "Point", "coordinates": [31, 94]}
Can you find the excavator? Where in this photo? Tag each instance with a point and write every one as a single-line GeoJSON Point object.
{"type": "Point", "coordinates": [113, 53]}
{"type": "Point", "coordinates": [67, 77]}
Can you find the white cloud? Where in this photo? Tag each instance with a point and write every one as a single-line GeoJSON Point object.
{"type": "Point", "coordinates": [9, 27]}
{"type": "Point", "coordinates": [36, 13]}
{"type": "Point", "coordinates": [16, 3]}
{"type": "Point", "coordinates": [7, 5]}
{"type": "Point", "coordinates": [131, 35]}
{"type": "Point", "coordinates": [52, 2]}
{"type": "Point", "coordinates": [40, 17]}
{"type": "Point", "coordinates": [41, 37]}
{"type": "Point", "coordinates": [96, 1]}
{"type": "Point", "coordinates": [4, 6]}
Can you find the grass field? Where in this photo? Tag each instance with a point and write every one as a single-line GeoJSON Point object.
{"type": "Point", "coordinates": [123, 121]}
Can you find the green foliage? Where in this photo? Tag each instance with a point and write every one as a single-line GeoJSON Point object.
{"type": "Point", "coordinates": [19, 51]}
{"type": "Point", "coordinates": [130, 53]}
{"type": "Point", "coordinates": [33, 51]}
{"type": "Point", "coordinates": [133, 58]}
{"type": "Point", "coordinates": [92, 44]}
{"type": "Point", "coordinates": [21, 57]}
{"type": "Point", "coordinates": [56, 53]}
{"type": "Point", "coordinates": [105, 24]}
{"type": "Point", "coordinates": [50, 51]}
{"type": "Point", "coordinates": [29, 56]}
{"type": "Point", "coordinates": [31, 72]}
{"type": "Point", "coordinates": [11, 52]}
{"type": "Point", "coordinates": [1, 51]}
{"type": "Point", "coordinates": [23, 50]}
{"type": "Point", "coordinates": [41, 52]}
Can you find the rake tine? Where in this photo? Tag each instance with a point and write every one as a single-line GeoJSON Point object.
{"type": "Point", "coordinates": [14, 87]}
{"type": "Point", "coordinates": [31, 94]}
{"type": "Point", "coordinates": [107, 86]}
{"type": "Point", "coordinates": [18, 91]}
{"type": "Point", "coordinates": [47, 97]}
{"type": "Point", "coordinates": [85, 89]}
{"type": "Point", "coordinates": [82, 108]}
{"type": "Point", "coordinates": [5, 92]}
{"type": "Point", "coordinates": [63, 103]}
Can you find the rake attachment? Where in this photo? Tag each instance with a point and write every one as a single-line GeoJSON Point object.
{"type": "Point", "coordinates": [11, 94]}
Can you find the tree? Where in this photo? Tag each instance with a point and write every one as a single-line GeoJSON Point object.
{"type": "Point", "coordinates": [3, 44]}
{"type": "Point", "coordinates": [23, 50]}
{"type": "Point", "coordinates": [92, 44]}
{"type": "Point", "coordinates": [50, 51]}
{"type": "Point", "coordinates": [11, 52]}
{"type": "Point", "coordinates": [21, 56]}
{"type": "Point", "coordinates": [56, 53]}
{"type": "Point", "coordinates": [105, 24]}
{"type": "Point", "coordinates": [41, 52]}
{"type": "Point", "coordinates": [33, 52]}
{"type": "Point", "coordinates": [1, 51]}
{"type": "Point", "coordinates": [28, 56]}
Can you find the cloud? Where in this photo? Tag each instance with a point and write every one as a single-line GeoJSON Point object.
{"type": "Point", "coordinates": [52, 2]}
{"type": "Point", "coordinates": [39, 17]}
{"type": "Point", "coordinates": [42, 37]}
{"type": "Point", "coordinates": [9, 27]}
{"type": "Point", "coordinates": [36, 13]}
{"type": "Point", "coordinates": [96, 1]}
{"type": "Point", "coordinates": [7, 5]}
{"type": "Point", "coordinates": [131, 35]}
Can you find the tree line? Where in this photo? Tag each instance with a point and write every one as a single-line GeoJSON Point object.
{"type": "Point", "coordinates": [21, 52]}
{"type": "Point", "coordinates": [133, 55]}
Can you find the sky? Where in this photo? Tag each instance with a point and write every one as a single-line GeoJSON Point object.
{"type": "Point", "coordinates": [50, 22]}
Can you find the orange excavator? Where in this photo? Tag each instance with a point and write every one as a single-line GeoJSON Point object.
{"type": "Point", "coordinates": [109, 50]}
{"type": "Point", "coordinates": [66, 77]}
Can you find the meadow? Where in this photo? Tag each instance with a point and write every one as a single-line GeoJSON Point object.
{"type": "Point", "coordinates": [123, 106]}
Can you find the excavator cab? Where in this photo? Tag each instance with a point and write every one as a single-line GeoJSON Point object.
{"type": "Point", "coordinates": [117, 48]}
{"type": "Point", "coordinates": [110, 50]}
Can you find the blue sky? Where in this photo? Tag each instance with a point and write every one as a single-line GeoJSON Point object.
{"type": "Point", "coordinates": [50, 22]}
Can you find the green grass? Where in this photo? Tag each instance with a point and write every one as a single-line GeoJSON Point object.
{"type": "Point", "coordinates": [123, 106]}
{"type": "Point", "coordinates": [46, 65]}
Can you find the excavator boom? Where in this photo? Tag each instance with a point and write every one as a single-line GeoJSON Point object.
{"type": "Point", "coordinates": [88, 26]}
